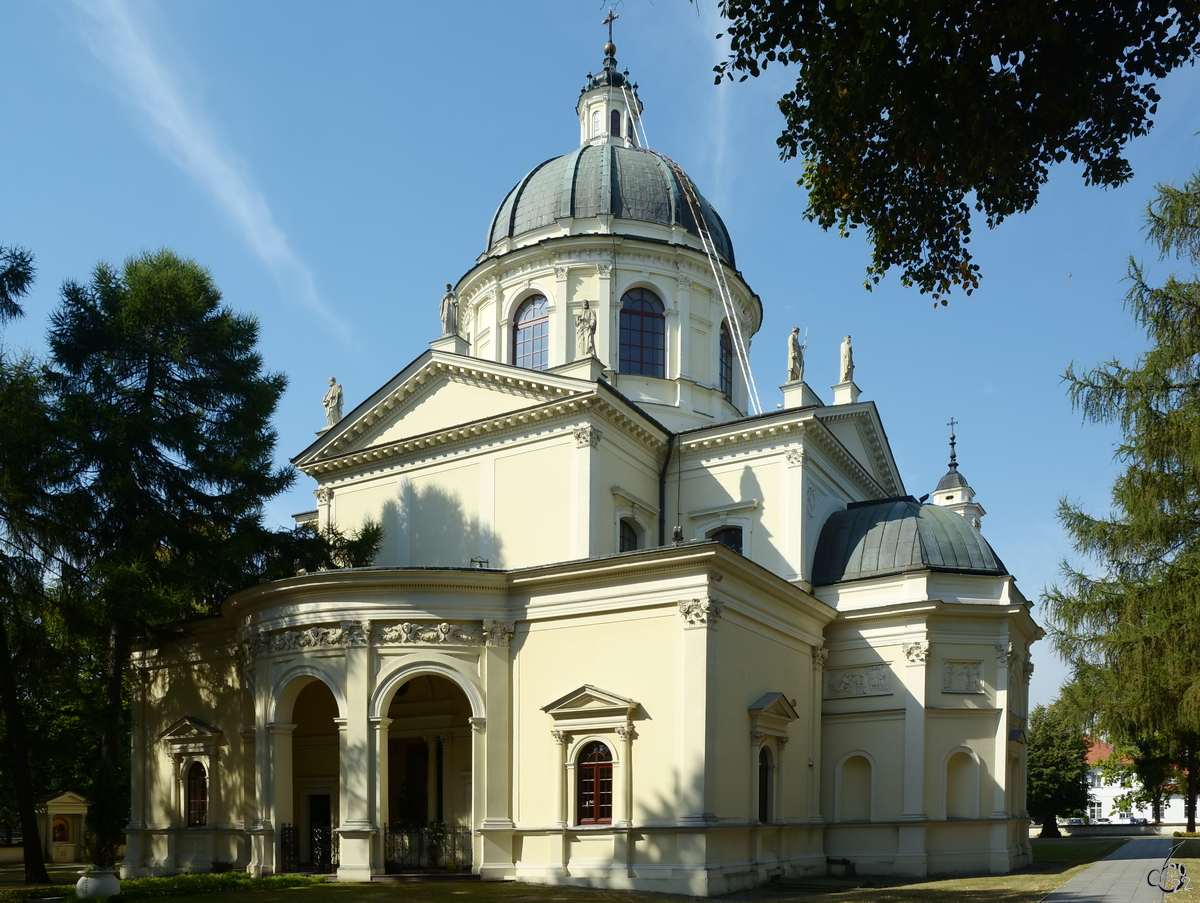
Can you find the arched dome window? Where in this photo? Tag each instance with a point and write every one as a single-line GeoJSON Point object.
{"type": "Point", "coordinates": [643, 334]}
{"type": "Point", "coordinates": [726, 362]}
{"type": "Point", "coordinates": [596, 124]}
{"type": "Point", "coordinates": [615, 128]}
{"type": "Point", "coordinates": [531, 337]}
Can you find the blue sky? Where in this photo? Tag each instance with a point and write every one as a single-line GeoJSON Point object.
{"type": "Point", "coordinates": [334, 165]}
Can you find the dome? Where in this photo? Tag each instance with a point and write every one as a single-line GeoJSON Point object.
{"type": "Point", "coordinates": [629, 183]}
{"type": "Point", "coordinates": [871, 539]}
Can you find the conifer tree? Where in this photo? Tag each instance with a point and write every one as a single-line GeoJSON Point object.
{"type": "Point", "coordinates": [1133, 631]}
{"type": "Point", "coordinates": [166, 410]}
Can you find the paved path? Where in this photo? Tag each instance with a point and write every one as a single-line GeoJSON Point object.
{"type": "Point", "coordinates": [1121, 877]}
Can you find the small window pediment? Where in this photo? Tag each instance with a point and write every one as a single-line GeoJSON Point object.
{"type": "Point", "coordinates": [771, 714]}
{"type": "Point", "coordinates": [191, 736]}
{"type": "Point", "coordinates": [590, 702]}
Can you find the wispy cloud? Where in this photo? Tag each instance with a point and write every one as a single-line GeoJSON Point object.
{"type": "Point", "coordinates": [120, 41]}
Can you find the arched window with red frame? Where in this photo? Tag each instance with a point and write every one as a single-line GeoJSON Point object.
{"type": "Point", "coordinates": [197, 796]}
{"type": "Point", "coordinates": [531, 334]}
{"type": "Point", "coordinates": [594, 780]}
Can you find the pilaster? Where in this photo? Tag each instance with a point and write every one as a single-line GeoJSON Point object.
{"type": "Point", "coordinates": [695, 638]}
{"type": "Point", "coordinates": [357, 781]}
{"type": "Point", "coordinates": [497, 824]}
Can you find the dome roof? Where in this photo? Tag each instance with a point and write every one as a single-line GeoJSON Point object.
{"type": "Point", "coordinates": [606, 180]}
{"type": "Point", "coordinates": [870, 539]}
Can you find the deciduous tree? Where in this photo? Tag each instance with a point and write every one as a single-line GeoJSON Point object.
{"type": "Point", "coordinates": [1057, 766]}
{"type": "Point", "coordinates": [911, 114]}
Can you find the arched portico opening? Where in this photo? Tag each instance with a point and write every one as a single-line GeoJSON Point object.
{"type": "Point", "coordinates": [307, 769]}
{"type": "Point", "coordinates": [426, 786]}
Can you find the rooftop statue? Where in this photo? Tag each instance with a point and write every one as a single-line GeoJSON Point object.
{"type": "Point", "coordinates": [333, 402]}
{"type": "Point", "coordinates": [449, 312]}
{"type": "Point", "coordinates": [847, 361]}
{"type": "Point", "coordinates": [796, 356]}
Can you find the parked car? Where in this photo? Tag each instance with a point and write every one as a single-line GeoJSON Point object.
{"type": "Point", "coordinates": [1104, 821]}
{"type": "Point", "coordinates": [1076, 821]}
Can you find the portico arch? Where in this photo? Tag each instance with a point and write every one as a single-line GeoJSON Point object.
{"type": "Point", "coordinates": [425, 716]}
{"type": "Point", "coordinates": [306, 712]}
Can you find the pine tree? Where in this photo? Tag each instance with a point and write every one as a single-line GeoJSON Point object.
{"type": "Point", "coordinates": [1133, 632]}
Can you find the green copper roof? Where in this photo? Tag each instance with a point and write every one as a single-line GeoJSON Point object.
{"type": "Point", "coordinates": [606, 180]}
{"type": "Point", "coordinates": [871, 539]}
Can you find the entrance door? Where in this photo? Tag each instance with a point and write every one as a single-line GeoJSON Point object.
{"type": "Point", "coordinates": [321, 824]}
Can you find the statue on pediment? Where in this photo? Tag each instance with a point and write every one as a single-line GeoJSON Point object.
{"type": "Point", "coordinates": [449, 312]}
{"type": "Point", "coordinates": [847, 361]}
{"type": "Point", "coordinates": [796, 356]}
{"type": "Point", "coordinates": [333, 402]}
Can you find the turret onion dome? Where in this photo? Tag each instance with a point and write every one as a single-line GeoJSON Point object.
{"type": "Point", "coordinates": [893, 536]}
{"type": "Point", "coordinates": [628, 183]}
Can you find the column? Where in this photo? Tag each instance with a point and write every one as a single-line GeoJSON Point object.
{"type": "Point", "coordinates": [625, 816]}
{"type": "Point", "coordinates": [278, 808]}
{"type": "Point", "coordinates": [431, 781]}
{"type": "Point", "coordinates": [478, 770]}
{"type": "Point", "coordinates": [262, 831]}
{"type": "Point", "coordinates": [560, 777]}
{"type": "Point", "coordinates": [356, 778]}
{"type": "Point", "coordinates": [380, 815]}
{"type": "Point", "coordinates": [756, 742]}
{"type": "Point", "coordinates": [608, 329]}
{"type": "Point", "coordinates": [449, 814]}
{"type": "Point", "coordinates": [911, 858]}
{"type": "Point", "coordinates": [780, 787]}
{"type": "Point", "coordinates": [497, 823]}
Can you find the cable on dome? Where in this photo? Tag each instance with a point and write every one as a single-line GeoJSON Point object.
{"type": "Point", "coordinates": [636, 118]}
{"type": "Point", "coordinates": [718, 269]}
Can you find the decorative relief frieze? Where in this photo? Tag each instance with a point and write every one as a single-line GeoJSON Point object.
{"type": "Point", "coordinates": [498, 633]}
{"type": "Point", "coordinates": [700, 612]}
{"type": "Point", "coordinates": [917, 653]}
{"type": "Point", "coordinates": [358, 633]}
{"type": "Point", "coordinates": [409, 633]}
{"type": "Point", "coordinates": [293, 640]}
{"type": "Point", "coordinates": [962, 677]}
{"type": "Point", "coordinates": [587, 435]}
{"type": "Point", "coordinates": [870, 680]}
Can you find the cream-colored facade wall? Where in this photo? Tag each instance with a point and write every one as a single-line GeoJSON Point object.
{"type": "Point", "coordinates": [534, 506]}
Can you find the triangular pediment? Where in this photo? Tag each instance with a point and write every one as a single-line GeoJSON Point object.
{"type": "Point", "coordinates": [437, 392]}
{"type": "Point", "coordinates": [860, 432]}
{"type": "Point", "coordinates": [589, 702]}
{"type": "Point", "coordinates": [188, 729]}
{"type": "Point", "coordinates": [775, 705]}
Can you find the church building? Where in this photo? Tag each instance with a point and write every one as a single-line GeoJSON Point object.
{"type": "Point", "coordinates": [625, 629]}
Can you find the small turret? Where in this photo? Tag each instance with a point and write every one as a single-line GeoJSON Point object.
{"type": "Point", "coordinates": [608, 103]}
{"type": "Point", "coordinates": [954, 493]}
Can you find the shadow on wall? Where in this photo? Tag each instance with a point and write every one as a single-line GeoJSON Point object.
{"type": "Point", "coordinates": [426, 526]}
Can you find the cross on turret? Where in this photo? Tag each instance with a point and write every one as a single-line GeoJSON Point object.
{"type": "Point", "coordinates": [609, 21]}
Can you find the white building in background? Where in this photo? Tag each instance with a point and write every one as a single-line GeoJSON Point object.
{"type": "Point", "coordinates": [623, 631]}
{"type": "Point", "coordinates": [1103, 794]}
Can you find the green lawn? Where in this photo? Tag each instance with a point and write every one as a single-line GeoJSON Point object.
{"type": "Point", "coordinates": [1055, 861]}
